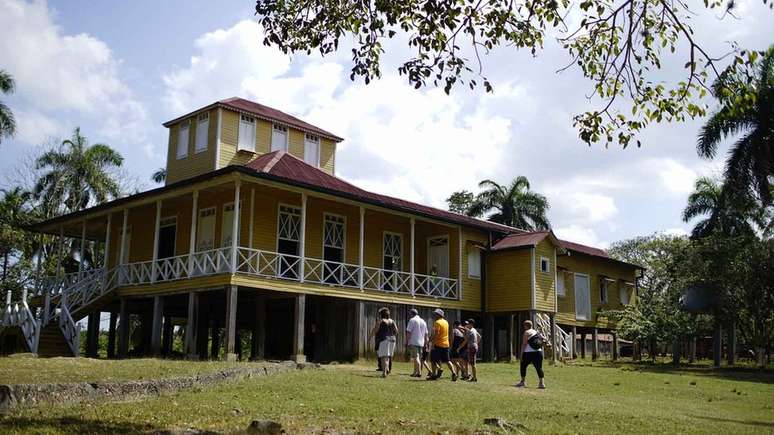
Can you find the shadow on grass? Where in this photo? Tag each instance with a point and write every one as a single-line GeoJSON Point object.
{"type": "Point", "coordinates": [739, 373]}
{"type": "Point", "coordinates": [71, 425]}
{"type": "Point", "coordinates": [730, 420]}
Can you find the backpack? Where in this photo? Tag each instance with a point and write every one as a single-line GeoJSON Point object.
{"type": "Point", "coordinates": [536, 341]}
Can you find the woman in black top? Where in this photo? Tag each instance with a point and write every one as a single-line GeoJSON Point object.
{"type": "Point", "coordinates": [386, 333]}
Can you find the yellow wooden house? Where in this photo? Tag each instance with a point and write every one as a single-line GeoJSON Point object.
{"type": "Point", "coordinates": [253, 235]}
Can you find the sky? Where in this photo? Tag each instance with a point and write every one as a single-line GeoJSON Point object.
{"type": "Point", "coordinates": [119, 70]}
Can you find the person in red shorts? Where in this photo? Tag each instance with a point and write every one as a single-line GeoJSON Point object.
{"type": "Point", "coordinates": [471, 342]}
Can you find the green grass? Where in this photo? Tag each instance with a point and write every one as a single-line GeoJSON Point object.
{"type": "Point", "coordinates": [581, 398]}
{"type": "Point", "coordinates": [28, 370]}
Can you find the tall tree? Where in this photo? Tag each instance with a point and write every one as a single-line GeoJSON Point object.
{"type": "Point", "coordinates": [77, 174]}
{"type": "Point", "coordinates": [619, 46]}
{"type": "Point", "coordinates": [747, 110]}
{"type": "Point", "coordinates": [7, 121]}
{"type": "Point", "coordinates": [14, 242]}
{"type": "Point", "coordinates": [721, 210]}
{"type": "Point", "coordinates": [462, 202]}
{"type": "Point", "coordinates": [515, 204]}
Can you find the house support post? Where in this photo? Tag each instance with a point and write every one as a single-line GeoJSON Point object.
{"type": "Point", "coordinates": [358, 335]}
{"type": "Point", "coordinates": [123, 329]}
{"type": "Point", "coordinates": [489, 329]}
{"type": "Point", "coordinates": [717, 344]}
{"type": "Point", "coordinates": [361, 247]}
{"type": "Point", "coordinates": [92, 335]}
{"type": "Point", "coordinates": [583, 345]}
{"type": "Point", "coordinates": [595, 344]}
{"type": "Point", "coordinates": [154, 265]}
{"type": "Point", "coordinates": [615, 346]}
{"type": "Point", "coordinates": [106, 253]}
{"type": "Point", "coordinates": [191, 325]}
{"type": "Point", "coordinates": [302, 239]}
{"type": "Point", "coordinates": [512, 332]}
{"type": "Point", "coordinates": [192, 240]}
{"type": "Point", "coordinates": [121, 253]}
{"type": "Point", "coordinates": [234, 238]}
{"type": "Point", "coordinates": [232, 292]}
{"type": "Point", "coordinates": [731, 351]}
{"type": "Point", "coordinates": [298, 328]}
{"type": "Point", "coordinates": [111, 344]}
{"type": "Point", "coordinates": [167, 337]}
{"type": "Point", "coordinates": [574, 343]}
{"type": "Point", "coordinates": [258, 342]}
{"type": "Point", "coordinates": [156, 324]}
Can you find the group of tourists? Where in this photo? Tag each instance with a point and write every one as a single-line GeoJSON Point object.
{"type": "Point", "coordinates": [458, 355]}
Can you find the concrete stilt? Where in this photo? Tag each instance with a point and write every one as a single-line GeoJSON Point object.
{"type": "Point", "coordinates": [111, 349]}
{"type": "Point", "coordinates": [123, 330]}
{"type": "Point", "coordinates": [299, 315]}
{"type": "Point", "coordinates": [92, 335]}
{"type": "Point", "coordinates": [230, 322]}
{"type": "Point", "coordinates": [583, 345]}
{"type": "Point", "coordinates": [595, 344]}
{"type": "Point", "coordinates": [156, 325]}
{"type": "Point", "coordinates": [574, 343]}
{"type": "Point", "coordinates": [191, 326]}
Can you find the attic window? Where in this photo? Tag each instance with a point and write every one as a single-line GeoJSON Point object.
{"type": "Point", "coordinates": [279, 138]}
{"type": "Point", "coordinates": [182, 139]}
{"type": "Point", "coordinates": [202, 132]}
{"type": "Point", "coordinates": [545, 265]}
{"type": "Point", "coordinates": [246, 139]}
{"type": "Point", "coordinates": [312, 150]}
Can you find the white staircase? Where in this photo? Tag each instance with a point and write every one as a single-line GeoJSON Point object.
{"type": "Point", "coordinates": [563, 339]}
{"type": "Point", "coordinates": [63, 300]}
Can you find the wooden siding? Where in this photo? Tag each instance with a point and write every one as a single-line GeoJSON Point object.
{"type": "Point", "coordinates": [594, 267]}
{"type": "Point", "coordinates": [194, 163]}
{"type": "Point", "coordinates": [509, 280]}
{"type": "Point", "coordinates": [328, 156]}
{"type": "Point", "coordinates": [471, 287]}
{"type": "Point", "coordinates": [545, 288]}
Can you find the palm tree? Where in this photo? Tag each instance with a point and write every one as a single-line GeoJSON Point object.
{"type": "Point", "coordinates": [14, 214]}
{"type": "Point", "coordinates": [7, 121]}
{"type": "Point", "coordinates": [159, 176]}
{"type": "Point", "coordinates": [750, 160]}
{"type": "Point", "coordinates": [722, 210]}
{"type": "Point", "coordinates": [78, 174]}
{"type": "Point", "coordinates": [514, 205]}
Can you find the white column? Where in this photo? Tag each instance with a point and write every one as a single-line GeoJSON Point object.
{"type": "Point", "coordinates": [121, 259]}
{"type": "Point", "coordinates": [83, 248]}
{"type": "Point", "coordinates": [302, 238]}
{"type": "Point", "coordinates": [459, 274]}
{"type": "Point", "coordinates": [106, 254]}
{"type": "Point", "coordinates": [192, 235]}
{"type": "Point", "coordinates": [235, 226]}
{"type": "Point", "coordinates": [59, 252]}
{"type": "Point", "coordinates": [360, 248]}
{"type": "Point", "coordinates": [411, 256]}
{"type": "Point", "coordinates": [252, 218]}
{"type": "Point", "coordinates": [156, 227]}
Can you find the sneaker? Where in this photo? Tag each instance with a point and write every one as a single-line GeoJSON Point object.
{"type": "Point", "coordinates": [541, 386]}
{"type": "Point", "coordinates": [472, 380]}
{"type": "Point", "coordinates": [521, 385]}
{"type": "Point", "coordinates": [454, 377]}
{"type": "Point", "coordinates": [439, 375]}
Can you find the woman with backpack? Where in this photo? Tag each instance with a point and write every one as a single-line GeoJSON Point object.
{"type": "Point", "coordinates": [386, 333]}
{"type": "Point", "coordinates": [531, 353]}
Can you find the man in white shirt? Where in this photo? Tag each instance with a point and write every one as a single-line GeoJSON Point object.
{"type": "Point", "coordinates": [416, 338]}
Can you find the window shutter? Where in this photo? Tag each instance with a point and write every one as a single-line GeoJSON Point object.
{"type": "Point", "coordinates": [279, 138]}
{"type": "Point", "coordinates": [202, 132]}
{"type": "Point", "coordinates": [246, 140]}
{"type": "Point", "coordinates": [312, 150]}
{"type": "Point", "coordinates": [474, 263]}
{"type": "Point", "coordinates": [182, 139]}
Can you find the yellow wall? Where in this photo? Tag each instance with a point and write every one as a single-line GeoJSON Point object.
{"type": "Point", "coordinates": [509, 280]}
{"type": "Point", "coordinates": [545, 290]}
{"type": "Point", "coordinates": [594, 267]}
{"type": "Point", "coordinates": [194, 163]}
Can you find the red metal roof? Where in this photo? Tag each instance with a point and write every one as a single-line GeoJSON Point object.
{"type": "Point", "coordinates": [513, 241]}
{"type": "Point", "coordinates": [263, 112]}
{"type": "Point", "coordinates": [583, 249]}
{"type": "Point", "coordinates": [284, 166]}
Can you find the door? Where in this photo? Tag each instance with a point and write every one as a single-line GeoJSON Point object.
{"type": "Point", "coordinates": [333, 249]}
{"type": "Point", "coordinates": [167, 237]}
{"type": "Point", "coordinates": [205, 240]}
{"type": "Point", "coordinates": [582, 297]}
{"type": "Point", "coordinates": [288, 242]}
{"type": "Point", "coordinates": [392, 249]}
{"type": "Point", "coordinates": [438, 256]}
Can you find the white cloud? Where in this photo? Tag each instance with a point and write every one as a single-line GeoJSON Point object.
{"type": "Point", "coordinates": [33, 127]}
{"type": "Point", "coordinates": [56, 72]}
{"type": "Point", "coordinates": [679, 232]}
{"type": "Point", "coordinates": [580, 234]}
{"type": "Point", "coordinates": [674, 176]}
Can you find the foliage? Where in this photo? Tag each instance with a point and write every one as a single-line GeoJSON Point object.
{"type": "Point", "coordinates": [514, 205]}
{"type": "Point", "coordinates": [14, 242]}
{"type": "Point", "coordinates": [78, 174]}
{"type": "Point", "coordinates": [159, 176]}
{"type": "Point", "coordinates": [7, 120]}
{"type": "Point", "coordinates": [618, 46]}
{"type": "Point", "coordinates": [746, 97]}
{"type": "Point", "coordinates": [726, 211]}
{"type": "Point", "coordinates": [462, 202]}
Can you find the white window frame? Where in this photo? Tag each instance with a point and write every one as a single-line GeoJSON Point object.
{"type": "Point", "coordinates": [205, 212]}
{"type": "Point", "coordinates": [247, 119]}
{"type": "Point", "coordinates": [310, 138]}
{"type": "Point", "coordinates": [547, 263]}
{"type": "Point", "coordinates": [476, 253]}
{"type": "Point", "coordinates": [343, 218]}
{"type": "Point", "coordinates": [283, 128]}
{"type": "Point", "coordinates": [178, 154]}
{"type": "Point", "coordinates": [400, 238]}
{"type": "Point", "coordinates": [201, 119]}
{"type": "Point", "coordinates": [448, 253]}
{"type": "Point", "coordinates": [575, 290]}
{"type": "Point", "coordinates": [623, 288]}
{"type": "Point", "coordinates": [604, 290]}
{"type": "Point", "coordinates": [279, 215]}
{"type": "Point", "coordinates": [560, 278]}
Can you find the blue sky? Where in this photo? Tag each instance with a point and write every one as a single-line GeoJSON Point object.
{"type": "Point", "coordinates": [120, 69]}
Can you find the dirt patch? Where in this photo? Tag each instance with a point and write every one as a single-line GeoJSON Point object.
{"type": "Point", "coordinates": [14, 396]}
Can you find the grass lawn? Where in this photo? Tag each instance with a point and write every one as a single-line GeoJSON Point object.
{"type": "Point", "coordinates": [28, 370]}
{"type": "Point", "coordinates": [581, 398]}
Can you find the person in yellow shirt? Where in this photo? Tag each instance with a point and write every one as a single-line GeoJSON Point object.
{"type": "Point", "coordinates": [440, 352]}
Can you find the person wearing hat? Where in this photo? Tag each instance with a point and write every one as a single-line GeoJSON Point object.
{"type": "Point", "coordinates": [416, 340]}
{"type": "Point", "coordinates": [440, 352]}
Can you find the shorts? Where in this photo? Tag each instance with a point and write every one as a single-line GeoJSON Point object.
{"type": "Point", "coordinates": [425, 354]}
{"type": "Point", "coordinates": [386, 347]}
{"type": "Point", "coordinates": [472, 352]}
{"type": "Point", "coordinates": [414, 351]}
{"type": "Point", "coordinates": [439, 354]}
